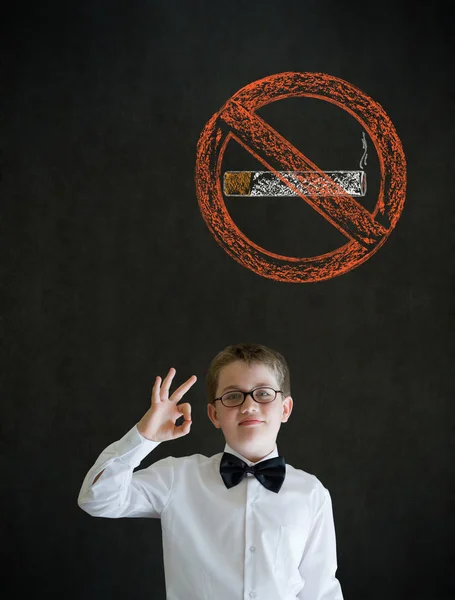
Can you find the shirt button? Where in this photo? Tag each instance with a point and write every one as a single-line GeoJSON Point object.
{"type": "Point", "coordinates": [252, 505]}
{"type": "Point", "coordinates": [252, 548]}
{"type": "Point", "coordinates": [252, 594]}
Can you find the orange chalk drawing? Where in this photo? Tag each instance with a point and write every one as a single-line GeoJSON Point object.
{"type": "Point", "coordinates": [237, 120]}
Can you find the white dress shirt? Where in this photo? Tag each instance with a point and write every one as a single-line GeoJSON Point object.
{"type": "Point", "coordinates": [222, 544]}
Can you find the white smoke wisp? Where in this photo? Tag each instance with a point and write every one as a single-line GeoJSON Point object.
{"type": "Point", "coordinates": [365, 153]}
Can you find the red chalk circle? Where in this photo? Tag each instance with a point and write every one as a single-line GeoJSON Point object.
{"type": "Point", "coordinates": [237, 120]}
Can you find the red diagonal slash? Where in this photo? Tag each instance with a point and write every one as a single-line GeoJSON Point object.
{"type": "Point", "coordinates": [238, 120]}
{"type": "Point", "coordinates": [265, 143]}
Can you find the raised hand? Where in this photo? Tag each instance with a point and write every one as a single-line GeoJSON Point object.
{"type": "Point", "coordinates": [158, 423]}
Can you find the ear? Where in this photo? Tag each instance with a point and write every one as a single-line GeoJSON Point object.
{"type": "Point", "coordinates": [211, 411]}
{"type": "Point", "coordinates": [287, 408]}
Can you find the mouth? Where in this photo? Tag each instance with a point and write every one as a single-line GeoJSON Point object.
{"type": "Point", "coordinates": [250, 422]}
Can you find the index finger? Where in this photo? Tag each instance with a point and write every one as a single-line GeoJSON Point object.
{"type": "Point", "coordinates": [182, 389]}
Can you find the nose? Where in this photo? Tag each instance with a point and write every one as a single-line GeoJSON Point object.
{"type": "Point", "coordinates": [249, 402]}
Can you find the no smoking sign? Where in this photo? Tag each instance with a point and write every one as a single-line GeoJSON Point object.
{"type": "Point", "coordinates": [238, 120]}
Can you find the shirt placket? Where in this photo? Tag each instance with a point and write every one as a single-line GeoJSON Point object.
{"type": "Point", "coordinates": [250, 575]}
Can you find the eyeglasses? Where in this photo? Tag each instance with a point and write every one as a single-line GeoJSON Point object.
{"type": "Point", "coordinates": [263, 395]}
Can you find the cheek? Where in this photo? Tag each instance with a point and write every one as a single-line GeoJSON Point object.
{"type": "Point", "coordinates": [227, 419]}
{"type": "Point", "coordinates": [277, 414]}
{"type": "Point", "coordinates": [232, 420]}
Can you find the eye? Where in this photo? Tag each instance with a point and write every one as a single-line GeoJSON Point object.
{"type": "Point", "coordinates": [232, 396]}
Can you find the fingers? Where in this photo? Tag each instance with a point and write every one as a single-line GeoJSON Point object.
{"type": "Point", "coordinates": [156, 389]}
{"type": "Point", "coordinates": [167, 382]}
{"type": "Point", "coordinates": [160, 391]}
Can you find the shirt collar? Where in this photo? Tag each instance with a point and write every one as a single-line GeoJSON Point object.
{"type": "Point", "coordinates": [272, 454]}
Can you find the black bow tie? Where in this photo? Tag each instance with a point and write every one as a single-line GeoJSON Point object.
{"type": "Point", "coordinates": [270, 472]}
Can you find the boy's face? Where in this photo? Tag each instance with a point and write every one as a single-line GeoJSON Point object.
{"type": "Point", "coordinates": [252, 441]}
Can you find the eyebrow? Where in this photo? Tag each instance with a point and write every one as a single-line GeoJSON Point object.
{"type": "Point", "coordinates": [237, 387]}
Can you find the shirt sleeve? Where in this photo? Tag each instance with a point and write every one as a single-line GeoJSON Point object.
{"type": "Point", "coordinates": [121, 493]}
{"type": "Point", "coordinates": [319, 561]}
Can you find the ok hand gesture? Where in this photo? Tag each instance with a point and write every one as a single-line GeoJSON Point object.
{"type": "Point", "coordinates": [158, 423]}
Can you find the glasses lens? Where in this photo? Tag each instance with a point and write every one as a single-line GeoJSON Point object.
{"type": "Point", "coordinates": [264, 394]}
{"type": "Point", "coordinates": [232, 398]}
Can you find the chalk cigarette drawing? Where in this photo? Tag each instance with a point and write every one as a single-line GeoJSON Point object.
{"type": "Point", "coordinates": [309, 183]}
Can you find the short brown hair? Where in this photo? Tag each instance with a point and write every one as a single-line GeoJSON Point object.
{"type": "Point", "coordinates": [249, 353]}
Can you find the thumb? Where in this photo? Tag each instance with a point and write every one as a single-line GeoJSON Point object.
{"type": "Point", "coordinates": [183, 429]}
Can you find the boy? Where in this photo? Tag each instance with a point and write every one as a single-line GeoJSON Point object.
{"type": "Point", "coordinates": [230, 532]}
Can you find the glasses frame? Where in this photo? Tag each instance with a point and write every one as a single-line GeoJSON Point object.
{"type": "Point", "coordinates": [250, 393]}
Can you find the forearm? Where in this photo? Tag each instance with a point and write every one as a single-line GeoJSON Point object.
{"type": "Point", "coordinates": [108, 489]}
{"type": "Point", "coordinates": [319, 562]}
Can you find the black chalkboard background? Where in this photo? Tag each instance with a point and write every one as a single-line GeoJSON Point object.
{"type": "Point", "coordinates": [110, 276]}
